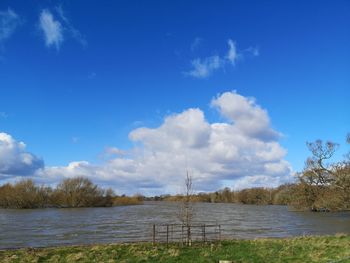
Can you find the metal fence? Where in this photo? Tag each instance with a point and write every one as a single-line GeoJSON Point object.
{"type": "Point", "coordinates": [185, 234]}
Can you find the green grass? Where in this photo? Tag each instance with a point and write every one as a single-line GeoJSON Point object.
{"type": "Point", "coordinates": [299, 249]}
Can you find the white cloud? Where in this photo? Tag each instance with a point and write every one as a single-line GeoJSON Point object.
{"type": "Point", "coordinates": [15, 160]}
{"type": "Point", "coordinates": [9, 21]}
{"type": "Point", "coordinates": [187, 129]}
{"type": "Point", "coordinates": [52, 29]}
{"type": "Point", "coordinates": [253, 50]}
{"type": "Point", "coordinates": [232, 52]}
{"type": "Point", "coordinates": [203, 68]}
{"type": "Point", "coordinates": [249, 117]}
{"type": "Point", "coordinates": [241, 152]}
{"type": "Point", "coordinates": [113, 151]}
{"type": "Point", "coordinates": [75, 33]}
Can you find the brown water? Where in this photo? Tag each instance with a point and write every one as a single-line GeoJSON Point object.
{"type": "Point", "coordinates": [51, 227]}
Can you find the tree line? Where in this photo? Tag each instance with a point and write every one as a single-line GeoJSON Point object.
{"type": "Point", "coordinates": [253, 196]}
{"type": "Point", "coordinates": [70, 192]}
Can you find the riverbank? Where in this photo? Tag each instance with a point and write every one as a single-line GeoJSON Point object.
{"type": "Point", "coordinates": [299, 249]}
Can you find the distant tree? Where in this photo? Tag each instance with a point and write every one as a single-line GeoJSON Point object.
{"type": "Point", "coordinates": [282, 195]}
{"type": "Point", "coordinates": [79, 192]}
{"type": "Point", "coordinates": [256, 196]}
{"type": "Point", "coordinates": [323, 185]}
{"type": "Point", "coordinates": [24, 194]}
{"type": "Point", "coordinates": [226, 195]}
{"type": "Point", "coordinates": [7, 196]}
{"type": "Point", "coordinates": [317, 172]}
{"type": "Point", "coordinates": [214, 197]}
{"type": "Point", "coordinates": [71, 192]}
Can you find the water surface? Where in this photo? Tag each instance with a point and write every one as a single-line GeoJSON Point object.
{"type": "Point", "coordinates": [51, 227]}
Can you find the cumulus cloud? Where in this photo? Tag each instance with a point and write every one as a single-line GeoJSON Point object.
{"type": "Point", "coordinates": [113, 152]}
{"type": "Point", "coordinates": [9, 21]}
{"type": "Point", "coordinates": [242, 151]}
{"type": "Point", "coordinates": [187, 129]}
{"type": "Point", "coordinates": [15, 160]}
{"type": "Point", "coordinates": [203, 68]}
{"type": "Point", "coordinates": [247, 116]}
{"type": "Point", "coordinates": [51, 28]}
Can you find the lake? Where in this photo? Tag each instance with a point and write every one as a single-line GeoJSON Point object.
{"type": "Point", "coordinates": [52, 227]}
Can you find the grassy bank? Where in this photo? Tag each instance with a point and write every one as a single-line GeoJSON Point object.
{"type": "Point", "coordinates": [300, 249]}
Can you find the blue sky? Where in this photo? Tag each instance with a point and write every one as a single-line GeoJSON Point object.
{"type": "Point", "coordinates": [103, 69]}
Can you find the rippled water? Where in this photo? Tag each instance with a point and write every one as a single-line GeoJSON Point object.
{"type": "Point", "coordinates": [50, 227]}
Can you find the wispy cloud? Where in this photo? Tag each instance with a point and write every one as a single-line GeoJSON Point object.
{"type": "Point", "coordinates": [196, 42]}
{"type": "Point", "coordinates": [52, 29]}
{"type": "Point", "coordinates": [232, 54]}
{"type": "Point", "coordinates": [71, 29]}
{"type": "Point", "coordinates": [9, 21]}
{"type": "Point", "coordinates": [204, 67]}
{"type": "Point", "coordinates": [253, 50]}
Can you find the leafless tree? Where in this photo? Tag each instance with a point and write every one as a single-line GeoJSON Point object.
{"type": "Point", "coordinates": [324, 184]}
{"type": "Point", "coordinates": [317, 172]}
{"type": "Point", "coordinates": [80, 192]}
{"type": "Point", "coordinates": [186, 208]}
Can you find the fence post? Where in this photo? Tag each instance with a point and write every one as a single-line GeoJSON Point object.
{"type": "Point", "coordinates": [204, 238]}
{"type": "Point", "coordinates": [189, 238]}
{"type": "Point", "coordinates": [154, 234]}
{"type": "Point", "coordinates": [172, 232]}
{"type": "Point", "coordinates": [219, 232]}
{"type": "Point", "coordinates": [167, 235]}
{"type": "Point", "coordinates": [182, 235]}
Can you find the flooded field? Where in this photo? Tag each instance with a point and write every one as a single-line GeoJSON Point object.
{"type": "Point", "coordinates": [51, 227]}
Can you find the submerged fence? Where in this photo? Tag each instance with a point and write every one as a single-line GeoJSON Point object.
{"type": "Point", "coordinates": [185, 234]}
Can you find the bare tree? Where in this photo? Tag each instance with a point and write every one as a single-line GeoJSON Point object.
{"type": "Point", "coordinates": [80, 192]}
{"type": "Point", "coordinates": [317, 172]}
{"type": "Point", "coordinates": [186, 208]}
{"type": "Point", "coordinates": [324, 185]}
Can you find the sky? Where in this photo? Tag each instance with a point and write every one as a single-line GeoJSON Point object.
{"type": "Point", "coordinates": [132, 94]}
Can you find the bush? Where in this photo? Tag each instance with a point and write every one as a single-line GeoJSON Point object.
{"type": "Point", "coordinates": [72, 192]}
